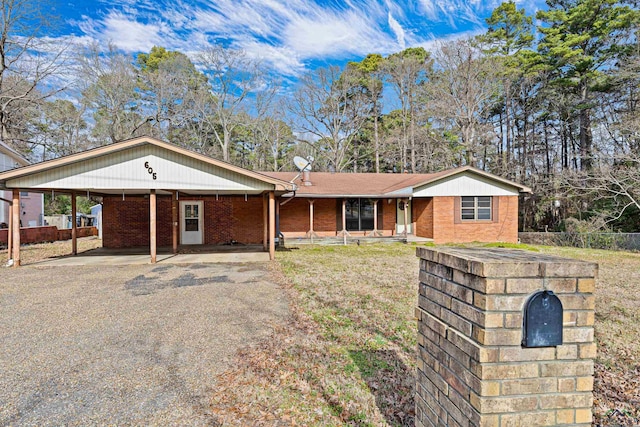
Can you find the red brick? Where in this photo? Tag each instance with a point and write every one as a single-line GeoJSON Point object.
{"type": "Point", "coordinates": [126, 222]}
{"type": "Point", "coordinates": [446, 230]}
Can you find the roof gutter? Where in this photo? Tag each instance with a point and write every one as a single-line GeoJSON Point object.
{"type": "Point", "coordinates": [293, 196]}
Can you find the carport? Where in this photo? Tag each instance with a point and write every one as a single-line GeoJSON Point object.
{"type": "Point", "coordinates": [200, 198]}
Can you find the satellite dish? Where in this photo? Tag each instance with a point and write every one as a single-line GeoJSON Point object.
{"type": "Point", "coordinates": [302, 164]}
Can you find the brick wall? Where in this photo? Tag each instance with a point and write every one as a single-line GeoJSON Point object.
{"type": "Point", "coordinates": [126, 222]}
{"type": "Point", "coordinates": [388, 216]}
{"type": "Point", "coordinates": [423, 217]}
{"type": "Point", "coordinates": [472, 369]}
{"type": "Point", "coordinates": [65, 234]}
{"type": "Point", "coordinates": [46, 234]}
{"type": "Point", "coordinates": [447, 230]}
{"type": "Point", "coordinates": [294, 217]}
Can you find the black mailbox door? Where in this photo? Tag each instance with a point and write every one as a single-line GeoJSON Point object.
{"type": "Point", "coordinates": [542, 320]}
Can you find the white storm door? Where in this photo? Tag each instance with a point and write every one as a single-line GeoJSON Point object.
{"type": "Point", "coordinates": [400, 207]}
{"type": "Point", "coordinates": [191, 223]}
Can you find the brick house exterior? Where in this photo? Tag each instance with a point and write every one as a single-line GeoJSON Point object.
{"type": "Point", "coordinates": [435, 204]}
{"type": "Point", "coordinates": [158, 194]}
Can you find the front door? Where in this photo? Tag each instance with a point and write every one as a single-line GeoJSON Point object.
{"type": "Point", "coordinates": [191, 223]}
{"type": "Point", "coordinates": [400, 207]}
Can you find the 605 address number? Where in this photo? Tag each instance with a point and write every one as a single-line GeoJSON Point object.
{"type": "Point", "coordinates": [150, 170]}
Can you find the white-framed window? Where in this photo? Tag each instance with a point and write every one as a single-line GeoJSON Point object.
{"type": "Point", "coordinates": [474, 208]}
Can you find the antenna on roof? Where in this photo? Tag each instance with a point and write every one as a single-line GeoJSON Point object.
{"type": "Point", "coordinates": [303, 165]}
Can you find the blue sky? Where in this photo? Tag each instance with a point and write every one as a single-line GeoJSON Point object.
{"type": "Point", "coordinates": [291, 36]}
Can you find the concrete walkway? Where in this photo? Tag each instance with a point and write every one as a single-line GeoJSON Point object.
{"type": "Point", "coordinates": [140, 256]}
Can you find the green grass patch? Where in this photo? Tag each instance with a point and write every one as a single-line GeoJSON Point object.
{"type": "Point", "coordinates": [520, 246]}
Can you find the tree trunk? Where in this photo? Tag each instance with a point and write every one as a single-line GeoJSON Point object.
{"type": "Point", "coordinates": [225, 145]}
{"type": "Point", "coordinates": [586, 138]}
{"type": "Point", "coordinates": [376, 138]}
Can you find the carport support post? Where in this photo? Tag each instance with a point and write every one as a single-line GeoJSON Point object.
{"type": "Point", "coordinates": [272, 225]}
{"type": "Point", "coordinates": [74, 225]}
{"type": "Point", "coordinates": [10, 232]}
{"type": "Point", "coordinates": [375, 232]}
{"type": "Point", "coordinates": [406, 217]}
{"type": "Point", "coordinates": [174, 221]}
{"type": "Point", "coordinates": [344, 231]}
{"type": "Point", "coordinates": [16, 227]}
{"type": "Point", "coordinates": [152, 221]}
{"type": "Point", "coordinates": [265, 221]}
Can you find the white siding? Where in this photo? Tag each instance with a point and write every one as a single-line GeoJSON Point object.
{"type": "Point", "coordinates": [126, 170]}
{"type": "Point", "coordinates": [4, 207]}
{"type": "Point", "coordinates": [467, 184]}
{"type": "Point", "coordinates": [7, 163]}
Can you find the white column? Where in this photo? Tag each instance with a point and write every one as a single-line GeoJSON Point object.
{"type": "Point", "coordinates": [16, 227]}
{"type": "Point", "coordinates": [152, 226]}
{"type": "Point", "coordinates": [272, 225]}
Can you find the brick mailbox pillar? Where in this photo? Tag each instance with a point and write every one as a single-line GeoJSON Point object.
{"type": "Point", "coordinates": [472, 367]}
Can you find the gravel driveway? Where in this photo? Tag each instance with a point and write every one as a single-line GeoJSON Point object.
{"type": "Point", "coordinates": [126, 345]}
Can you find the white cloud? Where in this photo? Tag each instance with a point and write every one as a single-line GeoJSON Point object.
{"type": "Point", "coordinates": [455, 11]}
{"type": "Point", "coordinates": [398, 30]}
{"type": "Point", "coordinates": [125, 32]}
{"type": "Point", "coordinates": [281, 59]}
{"type": "Point", "coordinates": [288, 34]}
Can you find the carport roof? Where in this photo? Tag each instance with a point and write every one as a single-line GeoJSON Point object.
{"type": "Point", "coordinates": [119, 167]}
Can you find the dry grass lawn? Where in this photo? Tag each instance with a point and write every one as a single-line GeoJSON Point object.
{"type": "Point", "coordinates": [348, 356]}
{"type": "Point", "coordinates": [40, 251]}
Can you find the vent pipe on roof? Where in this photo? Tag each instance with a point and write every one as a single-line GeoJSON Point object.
{"type": "Point", "coordinates": [306, 178]}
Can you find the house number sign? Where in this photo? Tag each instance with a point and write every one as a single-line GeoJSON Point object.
{"type": "Point", "coordinates": [150, 170]}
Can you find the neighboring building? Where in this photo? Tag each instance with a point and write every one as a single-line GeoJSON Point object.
{"type": "Point", "coordinates": [31, 204]}
{"type": "Point", "coordinates": [158, 194]}
{"type": "Point", "coordinates": [96, 214]}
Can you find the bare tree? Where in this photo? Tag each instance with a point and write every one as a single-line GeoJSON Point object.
{"type": "Point", "coordinates": [108, 84]}
{"type": "Point", "coordinates": [274, 137]}
{"type": "Point", "coordinates": [614, 183]}
{"type": "Point", "coordinates": [460, 90]}
{"type": "Point", "coordinates": [233, 77]}
{"type": "Point", "coordinates": [331, 112]}
{"type": "Point", "coordinates": [407, 71]}
{"type": "Point", "coordinates": [26, 63]}
{"type": "Point", "coordinates": [372, 72]}
{"type": "Point", "coordinates": [170, 88]}
{"type": "Point", "coordinates": [61, 129]}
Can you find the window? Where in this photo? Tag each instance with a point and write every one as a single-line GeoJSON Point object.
{"type": "Point", "coordinates": [24, 194]}
{"type": "Point", "coordinates": [475, 208]}
{"type": "Point", "coordinates": [359, 214]}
